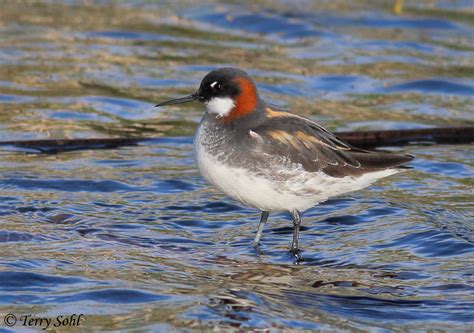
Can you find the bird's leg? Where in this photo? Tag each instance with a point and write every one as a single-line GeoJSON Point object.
{"type": "Point", "coordinates": [296, 231]}
{"type": "Point", "coordinates": [258, 235]}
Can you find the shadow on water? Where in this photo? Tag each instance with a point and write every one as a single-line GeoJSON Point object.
{"type": "Point", "coordinates": [134, 238]}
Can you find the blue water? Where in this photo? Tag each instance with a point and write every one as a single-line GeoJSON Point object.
{"type": "Point", "coordinates": [135, 239]}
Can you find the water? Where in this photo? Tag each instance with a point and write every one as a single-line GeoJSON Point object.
{"type": "Point", "coordinates": [134, 238]}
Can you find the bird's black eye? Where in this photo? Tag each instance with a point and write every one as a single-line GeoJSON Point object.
{"type": "Point", "coordinates": [216, 86]}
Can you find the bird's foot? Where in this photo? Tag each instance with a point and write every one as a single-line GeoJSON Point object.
{"type": "Point", "coordinates": [296, 253]}
{"type": "Point", "coordinates": [257, 248]}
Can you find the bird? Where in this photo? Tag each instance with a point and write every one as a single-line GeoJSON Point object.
{"type": "Point", "coordinates": [273, 160]}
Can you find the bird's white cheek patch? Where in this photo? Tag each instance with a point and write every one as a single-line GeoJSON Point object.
{"type": "Point", "coordinates": [221, 106]}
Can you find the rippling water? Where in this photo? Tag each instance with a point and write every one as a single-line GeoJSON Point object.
{"type": "Point", "coordinates": [134, 238]}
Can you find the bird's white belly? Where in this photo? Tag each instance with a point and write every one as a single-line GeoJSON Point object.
{"type": "Point", "coordinates": [251, 189]}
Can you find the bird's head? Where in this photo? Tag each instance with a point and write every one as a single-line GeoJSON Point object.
{"type": "Point", "coordinates": [228, 93]}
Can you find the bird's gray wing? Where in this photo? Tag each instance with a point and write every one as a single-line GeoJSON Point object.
{"type": "Point", "coordinates": [302, 141]}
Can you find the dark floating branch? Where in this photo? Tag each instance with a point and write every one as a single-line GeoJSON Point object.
{"type": "Point", "coordinates": [438, 135]}
{"type": "Point", "coordinates": [53, 146]}
{"type": "Point", "coordinates": [368, 139]}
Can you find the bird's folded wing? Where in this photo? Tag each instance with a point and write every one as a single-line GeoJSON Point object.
{"type": "Point", "coordinates": [302, 141]}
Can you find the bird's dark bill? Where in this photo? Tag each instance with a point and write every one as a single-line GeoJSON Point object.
{"type": "Point", "coordinates": [186, 99]}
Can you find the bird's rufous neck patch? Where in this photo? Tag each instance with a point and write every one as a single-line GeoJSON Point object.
{"type": "Point", "coordinates": [246, 101]}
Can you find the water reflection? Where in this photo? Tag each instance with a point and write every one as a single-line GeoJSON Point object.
{"type": "Point", "coordinates": [134, 238]}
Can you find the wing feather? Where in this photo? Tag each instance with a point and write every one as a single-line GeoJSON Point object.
{"type": "Point", "coordinates": [304, 142]}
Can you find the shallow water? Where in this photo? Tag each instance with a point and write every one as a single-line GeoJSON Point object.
{"type": "Point", "coordinates": [134, 238]}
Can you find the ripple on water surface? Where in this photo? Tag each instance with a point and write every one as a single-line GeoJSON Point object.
{"type": "Point", "coordinates": [168, 241]}
{"type": "Point", "coordinates": [135, 239]}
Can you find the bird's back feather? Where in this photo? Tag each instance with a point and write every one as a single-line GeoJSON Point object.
{"type": "Point", "coordinates": [304, 142]}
